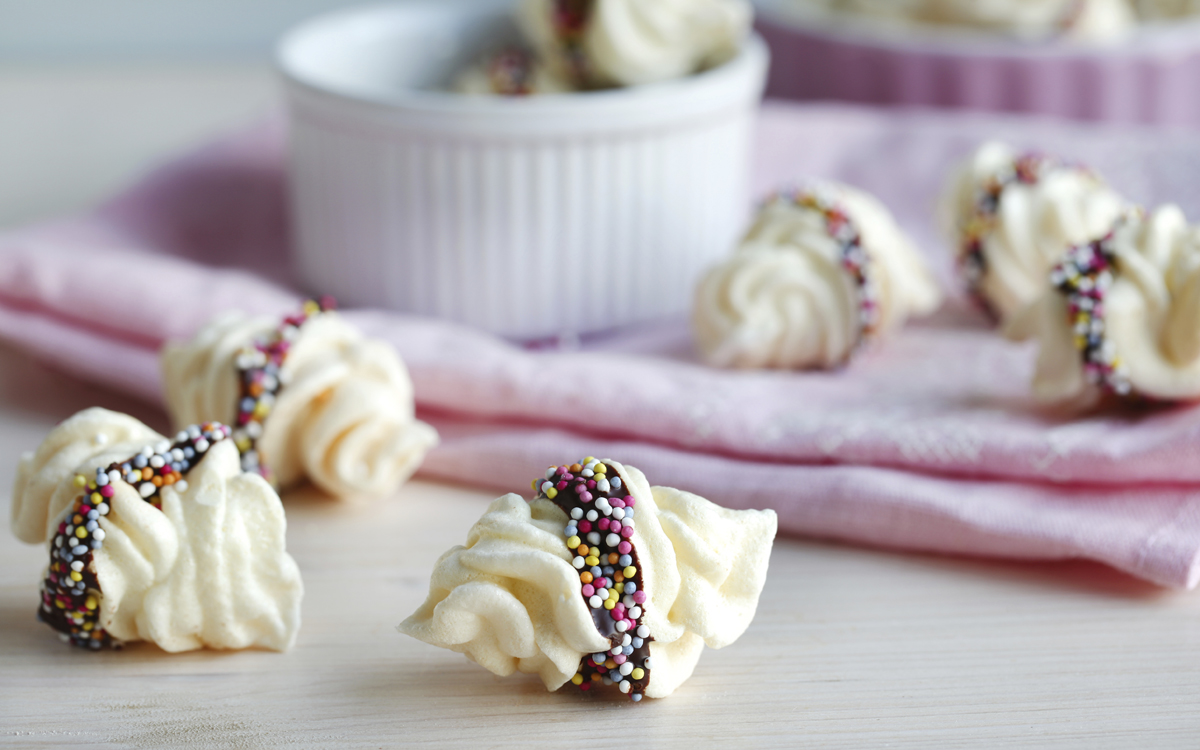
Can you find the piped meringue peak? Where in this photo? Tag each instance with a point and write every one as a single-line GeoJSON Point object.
{"type": "Point", "coordinates": [822, 271]}
{"type": "Point", "coordinates": [567, 587]}
{"type": "Point", "coordinates": [604, 43]}
{"type": "Point", "coordinates": [1014, 216]}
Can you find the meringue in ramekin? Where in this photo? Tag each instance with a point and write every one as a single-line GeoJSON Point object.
{"type": "Point", "coordinates": [1102, 68]}
{"type": "Point", "coordinates": [600, 43]}
{"type": "Point", "coordinates": [528, 217]}
{"type": "Point", "coordinates": [820, 272]}
{"type": "Point", "coordinates": [1023, 19]}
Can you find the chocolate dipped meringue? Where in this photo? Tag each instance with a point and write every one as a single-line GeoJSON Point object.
{"type": "Point", "coordinates": [308, 397]}
{"type": "Point", "coordinates": [599, 580]}
{"type": "Point", "coordinates": [1122, 317]}
{"type": "Point", "coordinates": [156, 539]}
{"type": "Point", "coordinates": [821, 271]}
{"type": "Point", "coordinates": [604, 43]}
{"type": "Point", "coordinates": [1014, 216]}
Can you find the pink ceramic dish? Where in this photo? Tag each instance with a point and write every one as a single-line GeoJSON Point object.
{"type": "Point", "coordinates": [1148, 76]}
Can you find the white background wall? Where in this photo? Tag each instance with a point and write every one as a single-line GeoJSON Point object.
{"type": "Point", "coordinates": [135, 30]}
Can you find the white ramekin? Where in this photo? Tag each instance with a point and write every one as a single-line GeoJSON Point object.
{"type": "Point", "coordinates": [531, 217]}
{"type": "Point", "coordinates": [1148, 76]}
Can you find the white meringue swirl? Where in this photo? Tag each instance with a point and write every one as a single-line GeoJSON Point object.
{"type": "Point", "coordinates": [1151, 317]}
{"type": "Point", "coordinates": [510, 599]}
{"type": "Point", "coordinates": [209, 570]}
{"type": "Point", "coordinates": [1022, 214]}
{"type": "Point", "coordinates": [632, 42]}
{"type": "Point", "coordinates": [1075, 19]}
{"type": "Point", "coordinates": [344, 417]}
{"type": "Point", "coordinates": [1161, 10]}
{"type": "Point", "coordinates": [785, 298]}
{"type": "Point", "coordinates": [94, 437]}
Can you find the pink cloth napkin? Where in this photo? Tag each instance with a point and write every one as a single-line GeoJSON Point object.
{"type": "Point", "coordinates": [927, 442]}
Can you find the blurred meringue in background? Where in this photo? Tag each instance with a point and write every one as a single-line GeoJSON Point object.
{"type": "Point", "coordinates": [1013, 216]}
{"type": "Point", "coordinates": [1089, 20]}
{"type": "Point", "coordinates": [820, 272]}
{"type": "Point", "coordinates": [338, 409]}
{"type": "Point", "coordinates": [603, 43]}
{"type": "Point", "coordinates": [1123, 316]}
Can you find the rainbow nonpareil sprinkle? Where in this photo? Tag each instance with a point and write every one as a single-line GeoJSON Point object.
{"type": "Point", "coordinates": [261, 378]}
{"type": "Point", "coordinates": [600, 537]}
{"type": "Point", "coordinates": [1084, 277]}
{"type": "Point", "coordinates": [855, 260]}
{"type": "Point", "coordinates": [980, 222]}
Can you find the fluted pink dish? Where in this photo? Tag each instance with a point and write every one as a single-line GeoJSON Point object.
{"type": "Point", "coordinates": [1150, 75]}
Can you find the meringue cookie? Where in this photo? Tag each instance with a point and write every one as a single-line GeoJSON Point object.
{"type": "Point", "coordinates": [599, 43]}
{"type": "Point", "coordinates": [194, 559]}
{"type": "Point", "coordinates": [313, 398]}
{"type": "Point", "coordinates": [510, 72]}
{"type": "Point", "coordinates": [1014, 217]}
{"type": "Point", "coordinates": [516, 597]}
{"type": "Point", "coordinates": [1124, 316]}
{"type": "Point", "coordinates": [1077, 19]}
{"type": "Point", "coordinates": [820, 271]}
{"type": "Point", "coordinates": [1158, 10]}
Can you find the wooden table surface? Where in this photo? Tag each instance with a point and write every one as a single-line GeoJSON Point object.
{"type": "Point", "coordinates": [850, 648]}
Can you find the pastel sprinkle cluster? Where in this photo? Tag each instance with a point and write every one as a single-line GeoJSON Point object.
{"type": "Point", "coordinates": [1028, 169]}
{"type": "Point", "coordinates": [510, 72]}
{"type": "Point", "coordinates": [855, 260]}
{"type": "Point", "coordinates": [599, 535]}
{"type": "Point", "coordinates": [1084, 276]}
{"type": "Point", "coordinates": [260, 375]}
{"type": "Point", "coordinates": [570, 18]}
{"type": "Point", "coordinates": [71, 591]}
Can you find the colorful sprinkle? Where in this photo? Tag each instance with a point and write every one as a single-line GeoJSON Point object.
{"type": "Point", "coordinates": [856, 262]}
{"type": "Point", "coordinates": [608, 570]}
{"type": "Point", "coordinates": [1084, 277]}
{"type": "Point", "coordinates": [510, 72]}
{"type": "Point", "coordinates": [1027, 169]}
{"type": "Point", "coordinates": [260, 375]}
